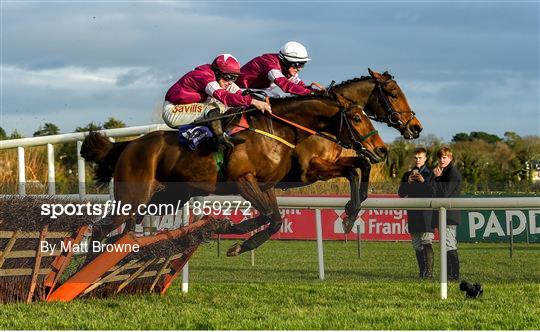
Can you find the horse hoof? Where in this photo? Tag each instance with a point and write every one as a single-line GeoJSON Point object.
{"type": "Point", "coordinates": [348, 225]}
{"type": "Point", "coordinates": [234, 250]}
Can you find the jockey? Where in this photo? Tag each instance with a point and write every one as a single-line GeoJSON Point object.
{"type": "Point", "coordinates": [208, 89]}
{"type": "Point", "coordinates": [270, 70]}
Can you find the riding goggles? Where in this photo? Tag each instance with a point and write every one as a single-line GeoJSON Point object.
{"type": "Point", "coordinates": [229, 77]}
{"type": "Point", "coordinates": [297, 65]}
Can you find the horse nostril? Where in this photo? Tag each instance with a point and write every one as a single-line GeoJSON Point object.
{"type": "Point", "coordinates": [382, 152]}
{"type": "Point", "coordinates": [416, 129]}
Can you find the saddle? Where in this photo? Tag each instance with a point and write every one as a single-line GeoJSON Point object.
{"type": "Point", "coordinates": [234, 121]}
{"type": "Point", "coordinates": [196, 133]}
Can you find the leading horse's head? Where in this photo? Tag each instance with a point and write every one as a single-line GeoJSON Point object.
{"type": "Point", "coordinates": [383, 101]}
{"type": "Point", "coordinates": [390, 105]}
{"type": "Point", "coordinates": [356, 131]}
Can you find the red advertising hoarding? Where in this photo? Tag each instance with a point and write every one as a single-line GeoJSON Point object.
{"type": "Point", "coordinates": [299, 224]}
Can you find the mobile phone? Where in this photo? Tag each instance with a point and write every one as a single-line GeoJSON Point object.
{"type": "Point", "coordinates": [415, 171]}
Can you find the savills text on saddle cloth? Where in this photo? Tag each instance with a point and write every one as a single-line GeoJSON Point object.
{"type": "Point", "coordinates": [175, 115]}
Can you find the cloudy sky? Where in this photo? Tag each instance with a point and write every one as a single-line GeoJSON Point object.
{"type": "Point", "coordinates": [464, 66]}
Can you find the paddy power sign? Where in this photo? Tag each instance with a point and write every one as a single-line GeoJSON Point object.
{"type": "Point", "coordinates": [390, 225]}
{"type": "Point", "coordinates": [492, 225]}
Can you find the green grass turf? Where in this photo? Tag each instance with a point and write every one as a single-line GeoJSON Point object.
{"type": "Point", "coordinates": [282, 291]}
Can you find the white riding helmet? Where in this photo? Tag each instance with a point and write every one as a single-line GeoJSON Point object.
{"type": "Point", "coordinates": [294, 52]}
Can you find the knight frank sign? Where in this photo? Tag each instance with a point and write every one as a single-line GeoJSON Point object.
{"type": "Point", "coordinates": [389, 225]}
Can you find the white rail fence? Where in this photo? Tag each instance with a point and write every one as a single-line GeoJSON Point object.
{"type": "Point", "coordinates": [316, 203]}
{"type": "Point", "coordinates": [23, 143]}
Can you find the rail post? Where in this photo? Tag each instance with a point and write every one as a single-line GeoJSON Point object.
{"type": "Point", "coordinates": [81, 171]}
{"type": "Point", "coordinates": [320, 254]}
{"type": "Point", "coordinates": [358, 240]}
{"type": "Point", "coordinates": [444, 269]}
{"type": "Point", "coordinates": [185, 269]}
{"type": "Point", "coordinates": [50, 170]}
{"type": "Point", "coordinates": [511, 226]}
{"type": "Point", "coordinates": [22, 171]}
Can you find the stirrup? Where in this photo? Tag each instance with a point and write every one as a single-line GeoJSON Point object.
{"type": "Point", "coordinates": [223, 143]}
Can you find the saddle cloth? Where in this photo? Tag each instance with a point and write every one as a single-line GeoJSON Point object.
{"type": "Point", "coordinates": [192, 136]}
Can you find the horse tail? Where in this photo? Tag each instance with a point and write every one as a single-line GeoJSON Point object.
{"type": "Point", "coordinates": [98, 149]}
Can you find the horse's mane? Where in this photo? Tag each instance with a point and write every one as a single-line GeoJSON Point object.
{"type": "Point", "coordinates": [352, 80]}
{"type": "Point", "coordinates": [317, 96]}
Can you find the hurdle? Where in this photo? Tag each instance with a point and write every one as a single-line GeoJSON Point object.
{"type": "Point", "coordinates": [31, 271]}
{"type": "Point", "coordinates": [113, 268]}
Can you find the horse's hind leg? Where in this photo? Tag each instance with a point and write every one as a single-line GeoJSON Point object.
{"type": "Point", "coordinates": [266, 204]}
{"type": "Point", "coordinates": [100, 230]}
{"type": "Point", "coordinates": [245, 226]}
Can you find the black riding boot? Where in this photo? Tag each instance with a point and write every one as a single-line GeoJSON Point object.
{"type": "Point", "coordinates": [221, 139]}
{"type": "Point", "coordinates": [452, 260]}
{"type": "Point", "coordinates": [428, 252]}
{"type": "Point", "coordinates": [421, 260]}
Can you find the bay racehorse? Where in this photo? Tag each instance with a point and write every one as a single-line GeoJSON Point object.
{"type": "Point", "coordinates": [155, 168]}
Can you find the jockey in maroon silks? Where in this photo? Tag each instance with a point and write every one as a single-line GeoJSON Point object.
{"type": "Point", "coordinates": [209, 84]}
{"type": "Point", "coordinates": [272, 70]}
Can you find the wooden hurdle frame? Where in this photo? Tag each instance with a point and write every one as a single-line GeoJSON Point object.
{"type": "Point", "coordinates": [105, 268]}
{"type": "Point", "coordinates": [52, 272]}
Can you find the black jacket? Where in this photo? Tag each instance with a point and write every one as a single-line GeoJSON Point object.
{"type": "Point", "coordinates": [445, 186]}
{"type": "Point", "coordinates": [420, 221]}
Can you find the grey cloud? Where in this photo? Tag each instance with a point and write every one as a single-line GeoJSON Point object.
{"type": "Point", "coordinates": [130, 77]}
{"type": "Point", "coordinates": [47, 63]}
{"type": "Point", "coordinates": [478, 46]}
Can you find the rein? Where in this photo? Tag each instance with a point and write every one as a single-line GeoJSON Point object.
{"type": "Point", "coordinates": [307, 130]}
{"type": "Point", "coordinates": [343, 118]}
{"type": "Point", "coordinates": [225, 116]}
{"type": "Point", "coordinates": [356, 138]}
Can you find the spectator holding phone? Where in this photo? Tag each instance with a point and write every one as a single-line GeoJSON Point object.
{"type": "Point", "coordinates": [446, 183]}
{"type": "Point", "coordinates": [416, 183]}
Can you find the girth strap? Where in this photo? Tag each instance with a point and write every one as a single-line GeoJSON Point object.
{"type": "Point", "coordinates": [310, 131]}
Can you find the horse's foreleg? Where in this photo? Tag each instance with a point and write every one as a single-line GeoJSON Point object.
{"type": "Point", "coordinates": [266, 204]}
{"type": "Point", "coordinates": [347, 167]}
{"type": "Point", "coordinates": [352, 208]}
{"type": "Point", "coordinates": [359, 193]}
{"type": "Point", "coordinates": [365, 169]}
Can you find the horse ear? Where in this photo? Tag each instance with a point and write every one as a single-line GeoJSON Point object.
{"type": "Point", "coordinates": [387, 75]}
{"type": "Point", "coordinates": [375, 75]}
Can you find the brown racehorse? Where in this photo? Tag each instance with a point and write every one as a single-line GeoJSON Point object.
{"type": "Point", "coordinates": [155, 168]}
{"type": "Point", "coordinates": [320, 159]}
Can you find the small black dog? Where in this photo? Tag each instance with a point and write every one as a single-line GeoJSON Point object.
{"type": "Point", "coordinates": [472, 291]}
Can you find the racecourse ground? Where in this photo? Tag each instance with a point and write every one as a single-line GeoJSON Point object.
{"type": "Point", "coordinates": [379, 291]}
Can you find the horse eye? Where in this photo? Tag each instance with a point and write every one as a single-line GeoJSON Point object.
{"type": "Point", "coordinates": [357, 118]}
{"type": "Point", "coordinates": [392, 94]}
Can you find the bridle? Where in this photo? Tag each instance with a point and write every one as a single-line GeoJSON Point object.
{"type": "Point", "coordinates": [391, 112]}
{"type": "Point", "coordinates": [355, 138]}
